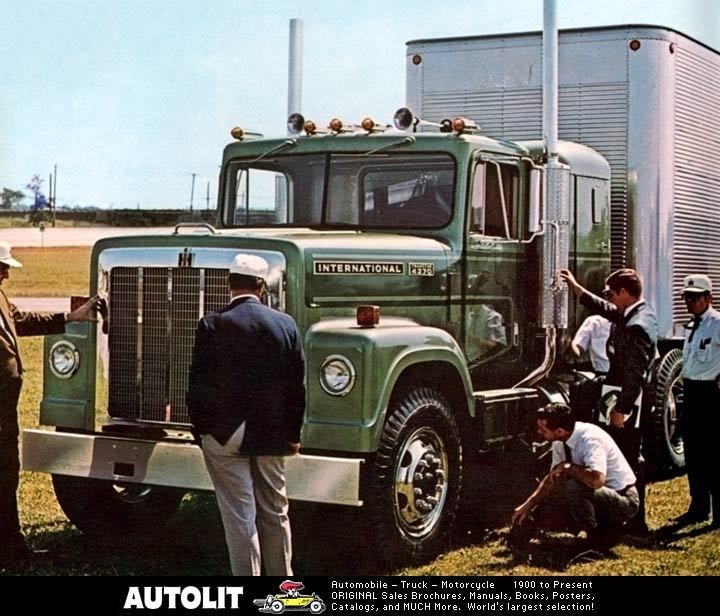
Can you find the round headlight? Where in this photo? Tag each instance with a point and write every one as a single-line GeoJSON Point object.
{"type": "Point", "coordinates": [64, 359]}
{"type": "Point", "coordinates": [337, 375]}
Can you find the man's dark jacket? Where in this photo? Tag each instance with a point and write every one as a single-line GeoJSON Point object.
{"type": "Point", "coordinates": [631, 346]}
{"type": "Point", "coordinates": [248, 365]}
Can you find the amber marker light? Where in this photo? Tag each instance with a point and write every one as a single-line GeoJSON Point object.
{"type": "Point", "coordinates": [458, 125]}
{"type": "Point", "coordinates": [368, 124]}
{"type": "Point", "coordinates": [367, 315]}
{"type": "Point", "coordinates": [336, 125]}
{"type": "Point", "coordinates": [237, 133]}
{"type": "Point", "coordinates": [309, 127]}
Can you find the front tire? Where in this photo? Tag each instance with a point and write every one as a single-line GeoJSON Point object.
{"type": "Point", "coordinates": [113, 510]}
{"type": "Point", "coordinates": [416, 477]}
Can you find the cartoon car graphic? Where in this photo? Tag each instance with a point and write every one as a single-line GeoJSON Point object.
{"type": "Point", "coordinates": [291, 600]}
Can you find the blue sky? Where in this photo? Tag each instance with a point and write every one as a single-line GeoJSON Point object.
{"type": "Point", "coordinates": [131, 97]}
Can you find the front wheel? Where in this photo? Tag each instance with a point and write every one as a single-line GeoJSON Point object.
{"type": "Point", "coordinates": [416, 477]}
{"type": "Point", "coordinates": [115, 510]}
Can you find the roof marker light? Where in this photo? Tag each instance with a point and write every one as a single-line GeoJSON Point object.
{"type": "Point", "coordinates": [463, 125]}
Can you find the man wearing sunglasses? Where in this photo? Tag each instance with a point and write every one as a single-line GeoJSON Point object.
{"type": "Point", "coordinates": [631, 350]}
{"type": "Point", "coordinates": [700, 419]}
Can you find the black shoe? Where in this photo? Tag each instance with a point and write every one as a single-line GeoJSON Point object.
{"type": "Point", "coordinates": [602, 539]}
{"type": "Point", "coordinates": [20, 554]}
{"type": "Point", "coordinates": [637, 528]}
{"type": "Point", "coordinates": [690, 517]}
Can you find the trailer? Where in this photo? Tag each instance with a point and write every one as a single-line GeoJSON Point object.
{"type": "Point", "coordinates": [646, 98]}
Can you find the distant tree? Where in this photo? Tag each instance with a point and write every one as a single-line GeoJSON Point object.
{"type": "Point", "coordinates": [38, 209]}
{"type": "Point", "coordinates": [11, 198]}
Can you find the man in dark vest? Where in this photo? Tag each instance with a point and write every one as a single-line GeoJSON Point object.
{"type": "Point", "coordinates": [631, 349]}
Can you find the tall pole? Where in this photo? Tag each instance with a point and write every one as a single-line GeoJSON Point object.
{"type": "Point", "coordinates": [295, 66]}
{"type": "Point", "coordinates": [192, 193]}
{"type": "Point", "coordinates": [207, 196]}
{"type": "Point", "coordinates": [53, 201]}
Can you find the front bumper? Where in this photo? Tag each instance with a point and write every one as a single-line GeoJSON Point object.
{"type": "Point", "coordinates": [309, 478]}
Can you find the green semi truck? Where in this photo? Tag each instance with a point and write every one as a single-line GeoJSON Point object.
{"type": "Point", "coordinates": [420, 269]}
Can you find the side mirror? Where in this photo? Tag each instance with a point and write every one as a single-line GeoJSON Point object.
{"type": "Point", "coordinates": [535, 201]}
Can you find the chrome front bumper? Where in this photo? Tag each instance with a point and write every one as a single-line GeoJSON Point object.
{"type": "Point", "coordinates": [309, 478]}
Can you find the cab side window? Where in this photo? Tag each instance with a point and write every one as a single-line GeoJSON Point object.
{"type": "Point", "coordinates": [494, 200]}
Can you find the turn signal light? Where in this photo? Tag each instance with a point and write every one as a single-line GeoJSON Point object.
{"type": "Point", "coordinates": [367, 315]}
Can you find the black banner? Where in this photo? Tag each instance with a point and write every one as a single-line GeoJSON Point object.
{"type": "Point", "coordinates": [419, 596]}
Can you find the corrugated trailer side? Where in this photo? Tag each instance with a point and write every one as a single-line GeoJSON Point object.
{"type": "Point", "coordinates": [645, 97]}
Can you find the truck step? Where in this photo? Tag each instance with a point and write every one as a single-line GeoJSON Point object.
{"type": "Point", "coordinates": [504, 414]}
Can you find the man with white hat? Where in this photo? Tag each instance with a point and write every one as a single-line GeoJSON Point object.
{"type": "Point", "coordinates": [700, 420]}
{"type": "Point", "coordinates": [246, 399]}
{"type": "Point", "coordinates": [14, 323]}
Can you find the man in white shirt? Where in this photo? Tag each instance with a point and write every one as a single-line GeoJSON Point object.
{"type": "Point", "coordinates": [591, 483]}
{"type": "Point", "coordinates": [592, 336]}
{"type": "Point", "coordinates": [700, 420]}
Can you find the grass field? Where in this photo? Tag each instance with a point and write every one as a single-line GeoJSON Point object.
{"type": "Point", "coordinates": [327, 540]}
{"type": "Point", "coordinates": [50, 272]}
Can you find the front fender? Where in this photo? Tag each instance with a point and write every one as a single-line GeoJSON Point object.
{"type": "Point", "coordinates": [70, 402]}
{"type": "Point", "coordinates": [380, 355]}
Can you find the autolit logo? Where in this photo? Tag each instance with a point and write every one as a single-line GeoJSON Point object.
{"type": "Point", "coordinates": [291, 600]}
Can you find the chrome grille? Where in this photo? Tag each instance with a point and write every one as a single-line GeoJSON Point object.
{"type": "Point", "coordinates": [153, 316]}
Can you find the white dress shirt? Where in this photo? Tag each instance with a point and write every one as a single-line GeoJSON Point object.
{"type": "Point", "coordinates": [593, 448]}
{"type": "Point", "coordinates": [701, 355]}
{"type": "Point", "coordinates": [592, 336]}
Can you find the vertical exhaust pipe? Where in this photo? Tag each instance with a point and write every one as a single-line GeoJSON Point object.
{"type": "Point", "coordinates": [556, 216]}
{"type": "Point", "coordinates": [295, 67]}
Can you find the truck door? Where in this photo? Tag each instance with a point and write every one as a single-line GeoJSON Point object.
{"type": "Point", "coordinates": [494, 285]}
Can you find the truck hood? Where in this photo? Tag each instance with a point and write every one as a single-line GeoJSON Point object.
{"type": "Point", "coordinates": [319, 267]}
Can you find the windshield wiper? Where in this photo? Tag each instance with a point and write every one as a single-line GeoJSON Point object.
{"type": "Point", "coordinates": [288, 143]}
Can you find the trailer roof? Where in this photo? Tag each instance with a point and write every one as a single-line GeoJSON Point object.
{"type": "Point", "coordinates": [618, 27]}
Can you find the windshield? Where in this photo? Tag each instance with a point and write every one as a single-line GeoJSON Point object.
{"type": "Point", "coordinates": [376, 191]}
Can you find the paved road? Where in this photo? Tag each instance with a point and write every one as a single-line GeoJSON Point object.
{"type": "Point", "coordinates": [42, 304]}
{"type": "Point", "coordinates": [71, 236]}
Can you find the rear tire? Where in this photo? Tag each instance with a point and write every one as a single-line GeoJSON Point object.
{"type": "Point", "coordinates": [115, 511]}
{"type": "Point", "coordinates": [667, 449]}
{"type": "Point", "coordinates": [416, 478]}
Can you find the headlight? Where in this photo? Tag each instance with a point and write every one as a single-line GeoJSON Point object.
{"type": "Point", "coordinates": [64, 359]}
{"type": "Point", "coordinates": [337, 375]}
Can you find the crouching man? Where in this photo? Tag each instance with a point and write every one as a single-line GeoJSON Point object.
{"type": "Point", "coordinates": [590, 488]}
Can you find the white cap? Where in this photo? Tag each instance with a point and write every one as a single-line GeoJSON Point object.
{"type": "Point", "coordinates": [697, 283]}
{"type": "Point", "coordinates": [249, 265]}
{"type": "Point", "coordinates": [5, 256]}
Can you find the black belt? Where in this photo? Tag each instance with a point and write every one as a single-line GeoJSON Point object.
{"type": "Point", "coordinates": [624, 491]}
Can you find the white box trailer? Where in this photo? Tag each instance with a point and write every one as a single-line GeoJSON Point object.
{"type": "Point", "coordinates": [646, 97]}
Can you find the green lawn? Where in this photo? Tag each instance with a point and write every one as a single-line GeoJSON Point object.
{"type": "Point", "coordinates": [50, 272]}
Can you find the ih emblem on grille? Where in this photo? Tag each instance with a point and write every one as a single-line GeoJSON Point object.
{"type": "Point", "coordinates": [185, 258]}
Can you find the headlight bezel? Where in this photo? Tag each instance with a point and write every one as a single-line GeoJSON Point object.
{"type": "Point", "coordinates": [72, 355]}
{"type": "Point", "coordinates": [344, 365]}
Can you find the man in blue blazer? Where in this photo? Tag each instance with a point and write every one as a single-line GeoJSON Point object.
{"type": "Point", "coordinates": [246, 399]}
